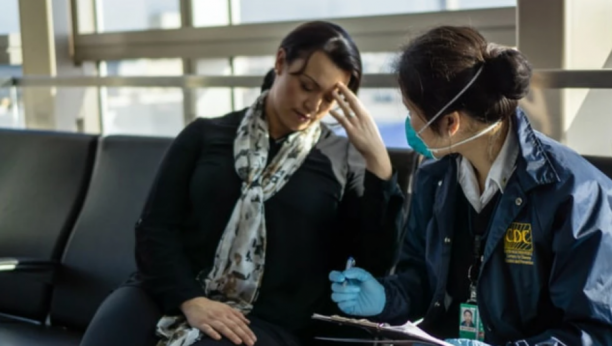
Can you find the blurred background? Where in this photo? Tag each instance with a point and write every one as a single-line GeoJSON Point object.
{"type": "Point", "coordinates": [148, 67]}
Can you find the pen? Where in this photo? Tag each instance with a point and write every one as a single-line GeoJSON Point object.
{"type": "Point", "coordinates": [350, 263]}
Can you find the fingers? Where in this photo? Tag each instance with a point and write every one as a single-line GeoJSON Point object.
{"type": "Point", "coordinates": [336, 276]}
{"type": "Point", "coordinates": [349, 96]}
{"type": "Point", "coordinates": [344, 297]}
{"type": "Point", "coordinates": [210, 331]}
{"type": "Point", "coordinates": [358, 274]}
{"type": "Point", "coordinates": [241, 316]}
{"type": "Point", "coordinates": [229, 329]}
{"type": "Point", "coordinates": [348, 112]}
{"type": "Point", "coordinates": [348, 307]}
{"type": "Point", "coordinates": [242, 330]}
{"type": "Point", "coordinates": [342, 288]}
{"type": "Point", "coordinates": [341, 119]}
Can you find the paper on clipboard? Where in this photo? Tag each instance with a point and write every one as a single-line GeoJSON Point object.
{"type": "Point", "coordinates": [408, 330]}
{"type": "Point", "coordinates": [376, 342]}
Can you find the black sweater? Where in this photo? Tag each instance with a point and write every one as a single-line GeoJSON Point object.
{"type": "Point", "coordinates": [330, 208]}
{"type": "Point", "coordinates": [468, 223]}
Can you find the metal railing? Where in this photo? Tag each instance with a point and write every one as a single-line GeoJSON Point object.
{"type": "Point", "coordinates": [382, 33]}
{"type": "Point", "coordinates": [542, 79]}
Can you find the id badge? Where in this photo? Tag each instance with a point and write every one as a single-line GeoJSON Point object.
{"type": "Point", "coordinates": [470, 325]}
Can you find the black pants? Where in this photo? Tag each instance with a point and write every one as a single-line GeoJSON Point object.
{"type": "Point", "coordinates": [128, 318]}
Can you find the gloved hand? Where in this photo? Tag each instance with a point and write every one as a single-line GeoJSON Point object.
{"type": "Point", "coordinates": [465, 342]}
{"type": "Point", "coordinates": [357, 292]}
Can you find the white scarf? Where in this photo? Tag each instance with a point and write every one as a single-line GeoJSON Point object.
{"type": "Point", "coordinates": [240, 258]}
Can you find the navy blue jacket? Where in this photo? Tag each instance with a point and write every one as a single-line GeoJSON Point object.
{"type": "Point", "coordinates": [547, 270]}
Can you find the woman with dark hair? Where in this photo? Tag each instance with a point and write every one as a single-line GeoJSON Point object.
{"type": "Point", "coordinates": [505, 222]}
{"type": "Point", "coordinates": [250, 211]}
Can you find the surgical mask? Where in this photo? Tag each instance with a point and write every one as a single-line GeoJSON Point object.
{"type": "Point", "coordinates": [416, 142]}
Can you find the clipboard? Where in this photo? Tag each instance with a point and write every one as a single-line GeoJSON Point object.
{"type": "Point", "coordinates": [406, 334]}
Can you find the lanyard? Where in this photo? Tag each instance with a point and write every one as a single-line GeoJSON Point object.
{"type": "Point", "coordinates": [479, 239]}
{"type": "Point", "coordinates": [474, 269]}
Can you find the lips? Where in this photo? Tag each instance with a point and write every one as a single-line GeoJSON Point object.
{"type": "Point", "coordinates": [301, 116]}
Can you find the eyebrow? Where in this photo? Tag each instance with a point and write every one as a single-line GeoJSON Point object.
{"type": "Point", "coordinates": [313, 80]}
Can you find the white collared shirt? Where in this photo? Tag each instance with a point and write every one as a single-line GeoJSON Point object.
{"type": "Point", "coordinates": [498, 177]}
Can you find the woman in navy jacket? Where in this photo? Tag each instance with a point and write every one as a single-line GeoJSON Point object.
{"type": "Point", "coordinates": [504, 219]}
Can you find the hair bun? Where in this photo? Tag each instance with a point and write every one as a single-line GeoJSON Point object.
{"type": "Point", "coordinates": [508, 72]}
{"type": "Point", "coordinates": [268, 80]}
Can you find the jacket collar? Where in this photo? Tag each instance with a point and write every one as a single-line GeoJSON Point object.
{"type": "Point", "coordinates": [533, 167]}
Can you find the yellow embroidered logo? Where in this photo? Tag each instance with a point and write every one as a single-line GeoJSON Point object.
{"type": "Point", "coordinates": [518, 244]}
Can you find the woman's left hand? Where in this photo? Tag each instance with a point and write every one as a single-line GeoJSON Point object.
{"type": "Point", "coordinates": [362, 132]}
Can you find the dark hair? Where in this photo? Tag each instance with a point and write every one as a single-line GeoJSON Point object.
{"type": "Point", "coordinates": [468, 311]}
{"type": "Point", "coordinates": [326, 37]}
{"type": "Point", "coordinates": [436, 66]}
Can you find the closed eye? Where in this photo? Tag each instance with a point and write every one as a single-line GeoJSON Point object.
{"type": "Point", "coordinates": [307, 87]}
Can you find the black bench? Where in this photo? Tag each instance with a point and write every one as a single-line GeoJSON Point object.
{"type": "Point", "coordinates": [99, 253]}
{"type": "Point", "coordinates": [43, 181]}
{"type": "Point", "coordinates": [74, 203]}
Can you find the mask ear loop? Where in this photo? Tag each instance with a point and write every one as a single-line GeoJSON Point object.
{"type": "Point", "coordinates": [450, 143]}
{"type": "Point", "coordinates": [490, 146]}
{"type": "Point", "coordinates": [500, 132]}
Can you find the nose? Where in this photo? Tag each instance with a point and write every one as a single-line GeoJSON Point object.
{"type": "Point", "coordinates": [313, 104]}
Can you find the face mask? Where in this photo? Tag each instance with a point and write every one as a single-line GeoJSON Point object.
{"type": "Point", "coordinates": [416, 142]}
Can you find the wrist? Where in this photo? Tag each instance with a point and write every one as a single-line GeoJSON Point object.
{"type": "Point", "coordinates": [186, 304]}
{"type": "Point", "coordinates": [379, 165]}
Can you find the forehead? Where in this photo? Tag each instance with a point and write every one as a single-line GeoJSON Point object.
{"type": "Point", "coordinates": [323, 70]}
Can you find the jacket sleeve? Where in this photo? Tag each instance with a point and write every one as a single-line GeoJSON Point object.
{"type": "Point", "coordinates": [581, 278]}
{"type": "Point", "coordinates": [163, 267]}
{"type": "Point", "coordinates": [371, 216]}
{"type": "Point", "coordinates": [408, 293]}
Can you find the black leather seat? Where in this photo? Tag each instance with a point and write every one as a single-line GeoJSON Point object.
{"type": "Point", "coordinates": [604, 164]}
{"type": "Point", "coordinates": [22, 334]}
{"type": "Point", "coordinates": [406, 162]}
{"type": "Point", "coordinates": [99, 254]}
{"type": "Point", "coordinates": [43, 180]}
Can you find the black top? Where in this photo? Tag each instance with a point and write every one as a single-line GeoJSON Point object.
{"type": "Point", "coordinates": [462, 257]}
{"type": "Point", "coordinates": [330, 208]}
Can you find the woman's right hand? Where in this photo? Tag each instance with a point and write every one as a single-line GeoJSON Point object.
{"type": "Point", "coordinates": [357, 292]}
{"type": "Point", "coordinates": [216, 319]}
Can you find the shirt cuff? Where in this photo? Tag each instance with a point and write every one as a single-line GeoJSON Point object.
{"type": "Point", "coordinates": [372, 183]}
{"type": "Point", "coordinates": [171, 304]}
{"type": "Point", "coordinates": [391, 313]}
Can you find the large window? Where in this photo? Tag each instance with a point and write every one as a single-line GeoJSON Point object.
{"type": "Point", "coordinates": [470, 4]}
{"type": "Point", "coordinates": [127, 15]}
{"type": "Point", "coordinates": [9, 26]}
{"type": "Point", "coordinates": [211, 13]}
{"type": "Point", "coordinates": [9, 17]}
{"type": "Point", "coordinates": [213, 102]}
{"type": "Point", "coordinates": [258, 11]}
{"type": "Point", "coordinates": [385, 105]}
{"type": "Point", "coordinates": [122, 15]}
{"type": "Point", "coordinates": [143, 111]}
{"type": "Point", "coordinates": [163, 111]}
{"type": "Point", "coordinates": [10, 115]}
{"type": "Point", "coordinates": [224, 12]}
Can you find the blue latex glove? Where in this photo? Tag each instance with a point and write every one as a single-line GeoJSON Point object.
{"type": "Point", "coordinates": [466, 342]}
{"type": "Point", "coordinates": [357, 292]}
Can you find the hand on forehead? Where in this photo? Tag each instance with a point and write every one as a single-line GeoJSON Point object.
{"type": "Point", "coordinates": [320, 71]}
